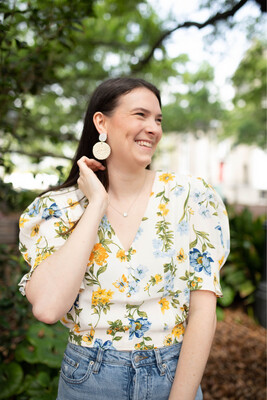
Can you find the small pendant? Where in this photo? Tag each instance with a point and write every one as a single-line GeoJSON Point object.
{"type": "Point", "coordinates": [125, 214]}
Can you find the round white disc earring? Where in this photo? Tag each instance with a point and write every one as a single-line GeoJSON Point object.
{"type": "Point", "coordinates": [101, 150]}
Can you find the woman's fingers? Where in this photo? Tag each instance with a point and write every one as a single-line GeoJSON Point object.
{"type": "Point", "coordinates": [94, 165]}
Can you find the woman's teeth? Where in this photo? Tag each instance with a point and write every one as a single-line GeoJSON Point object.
{"type": "Point", "coordinates": [142, 143]}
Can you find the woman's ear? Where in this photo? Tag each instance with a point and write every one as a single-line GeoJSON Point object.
{"type": "Point", "coordinates": [99, 120]}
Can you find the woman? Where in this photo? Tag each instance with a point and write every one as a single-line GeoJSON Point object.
{"type": "Point", "coordinates": [141, 263]}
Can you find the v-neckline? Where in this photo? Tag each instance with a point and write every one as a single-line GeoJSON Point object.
{"type": "Point", "coordinates": [151, 195]}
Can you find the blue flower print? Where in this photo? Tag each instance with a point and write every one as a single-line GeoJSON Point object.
{"type": "Point", "coordinates": [196, 195]}
{"type": "Point", "coordinates": [140, 272]}
{"type": "Point", "coordinates": [187, 294]}
{"type": "Point", "coordinates": [106, 345]}
{"type": "Point", "coordinates": [138, 327]}
{"type": "Point", "coordinates": [34, 208]}
{"type": "Point", "coordinates": [138, 234]}
{"type": "Point", "coordinates": [205, 212]}
{"type": "Point", "coordinates": [183, 228]}
{"type": "Point", "coordinates": [105, 224]}
{"type": "Point", "coordinates": [52, 211]}
{"type": "Point", "coordinates": [168, 284]}
{"type": "Point", "coordinates": [157, 243]}
{"type": "Point", "coordinates": [200, 261]}
{"type": "Point", "coordinates": [178, 191]}
{"type": "Point", "coordinates": [209, 195]}
{"type": "Point", "coordinates": [221, 235]}
{"type": "Point", "coordinates": [158, 253]}
{"type": "Point", "coordinates": [170, 253]}
{"type": "Point", "coordinates": [132, 288]}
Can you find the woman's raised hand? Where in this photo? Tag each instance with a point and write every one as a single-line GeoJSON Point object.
{"type": "Point", "coordinates": [88, 182]}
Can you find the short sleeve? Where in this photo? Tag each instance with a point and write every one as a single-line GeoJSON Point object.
{"type": "Point", "coordinates": [44, 228]}
{"type": "Point", "coordinates": [209, 237]}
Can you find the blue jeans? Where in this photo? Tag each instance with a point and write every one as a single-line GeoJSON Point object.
{"type": "Point", "coordinates": [89, 373]}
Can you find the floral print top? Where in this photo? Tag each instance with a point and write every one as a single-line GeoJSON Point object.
{"type": "Point", "coordinates": [137, 299]}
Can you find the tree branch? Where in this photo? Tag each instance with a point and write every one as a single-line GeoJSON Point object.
{"type": "Point", "coordinates": [210, 21]}
{"type": "Point", "coordinates": [38, 155]}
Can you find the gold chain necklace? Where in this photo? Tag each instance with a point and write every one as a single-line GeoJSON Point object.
{"type": "Point", "coordinates": [126, 213]}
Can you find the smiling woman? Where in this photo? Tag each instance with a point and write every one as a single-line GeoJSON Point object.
{"type": "Point", "coordinates": [127, 258]}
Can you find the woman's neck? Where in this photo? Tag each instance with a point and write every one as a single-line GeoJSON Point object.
{"type": "Point", "coordinates": [124, 184]}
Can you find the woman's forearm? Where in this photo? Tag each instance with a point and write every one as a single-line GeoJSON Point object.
{"type": "Point", "coordinates": [194, 352]}
{"type": "Point", "coordinates": [55, 283]}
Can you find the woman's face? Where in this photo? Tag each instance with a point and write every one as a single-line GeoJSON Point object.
{"type": "Point", "coordinates": [134, 128]}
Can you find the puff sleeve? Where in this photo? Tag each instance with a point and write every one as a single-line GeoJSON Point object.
{"type": "Point", "coordinates": [44, 229]}
{"type": "Point", "coordinates": [209, 237]}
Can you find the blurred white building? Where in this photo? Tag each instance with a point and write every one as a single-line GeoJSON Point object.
{"type": "Point", "coordinates": [238, 173]}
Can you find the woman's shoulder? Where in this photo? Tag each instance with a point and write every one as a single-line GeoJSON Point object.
{"type": "Point", "coordinates": [54, 202]}
{"type": "Point", "coordinates": [176, 178]}
{"type": "Point", "coordinates": [63, 193]}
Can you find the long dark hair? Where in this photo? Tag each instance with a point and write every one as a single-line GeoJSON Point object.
{"type": "Point", "coordinates": [104, 99]}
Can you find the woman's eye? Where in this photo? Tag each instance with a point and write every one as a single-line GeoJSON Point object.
{"type": "Point", "coordinates": [159, 120]}
{"type": "Point", "coordinates": [141, 114]}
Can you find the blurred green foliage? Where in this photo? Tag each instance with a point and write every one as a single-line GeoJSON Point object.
{"type": "Point", "coordinates": [30, 351]}
{"type": "Point", "coordinates": [54, 53]}
{"type": "Point", "coordinates": [246, 122]}
{"type": "Point", "coordinates": [244, 268]}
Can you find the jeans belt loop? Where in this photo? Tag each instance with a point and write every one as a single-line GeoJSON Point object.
{"type": "Point", "coordinates": [98, 360]}
{"type": "Point", "coordinates": [159, 362]}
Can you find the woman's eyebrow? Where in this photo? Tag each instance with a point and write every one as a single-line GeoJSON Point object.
{"type": "Point", "coordinates": [145, 111]}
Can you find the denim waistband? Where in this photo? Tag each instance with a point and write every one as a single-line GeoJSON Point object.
{"type": "Point", "coordinates": [135, 358]}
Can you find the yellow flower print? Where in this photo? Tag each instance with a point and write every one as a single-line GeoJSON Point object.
{"type": "Point", "coordinates": [215, 280]}
{"type": "Point", "coordinates": [63, 319]}
{"type": "Point", "coordinates": [178, 330]}
{"type": "Point", "coordinates": [101, 296]}
{"type": "Point", "coordinates": [71, 203]}
{"type": "Point", "coordinates": [146, 287]}
{"type": "Point", "coordinates": [221, 262]}
{"type": "Point", "coordinates": [22, 222]}
{"type": "Point", "coordinates": [158, 278]}
{"type": "Point", "coordinates": [71, 223]}
{"type": "Point", "coordinates": [35, 230]}
{"type": "Point", "coordinates": [151, 194]}
{"type": "Point", "coordinates": [199, 279]}
{"type": "Point", "coordinates": [163, 209]}
{"type": "Point", "coordinates": [165, 304]}
{"type": "Point", "coordinates": [76, 328]}
{"type": "Point", "coordinates": [167, 340]}
{"type": "Point", "coordinates": [166, 177]}
{"type": "Point", "coordinates": [181, 257]}
{"type": "Point", "coordinates": [98, 255]}
{"type": "Point", "coordinates": [137, 346]}
{"type": "Point", "coordinates": [26, 257]}
{"type": "Point", "coordinates": [89, 337]}
{"type": "Point", "coordinates": [40, 258]}
{"type": "Point", "coordinates": [225, 212]}
{"type": "Point", "coordinates": [39, 240]}
{"type": "Point", "coordinates": [121, 255]}
{"type": "Point", "coordinates": [191, 211]}
{"type": "Point", "coordinates": [121, 284]}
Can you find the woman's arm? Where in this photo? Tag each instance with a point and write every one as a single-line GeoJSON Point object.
{"type": "Point", "coordinates": [196, 345]}
{"type": "Point", "coordinates": [55, 284]}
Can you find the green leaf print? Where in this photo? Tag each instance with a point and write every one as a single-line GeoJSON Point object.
{"type": "Point", "coordinates": [101, 270]}
{"type": "Point", "coordinates": [185, 206]}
